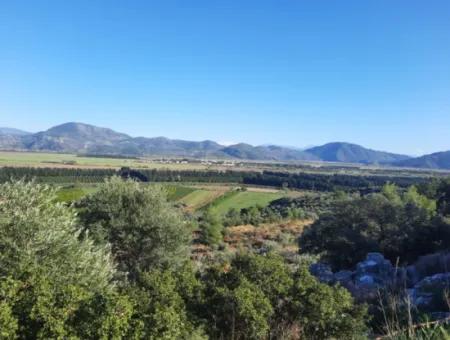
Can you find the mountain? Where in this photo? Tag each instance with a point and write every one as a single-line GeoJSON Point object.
{"type": "Point", "coordinates": [88, 139]}
{"type": "Point", "coordinates": [438, 160]}
{"type": "Point", "coordinates": [161, 146]}
{"type": "Point", "coordinates": [72, 137]}
{"type": "Point", "coordinates": [82, 138]}
{"type": "Point", "coordinates": [5, 131]}
{"type": "Point", "coordinates": [352, 153]}
{"type": "Point", "coordinates": [269, 152]}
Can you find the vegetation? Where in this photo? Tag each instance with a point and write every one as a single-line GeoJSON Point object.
{"type": "Point", "coordinates": [120, 263]}
{"type": "Point", "coordinates": [244, 199]}
{"type": "Point", "coordinates": [402, 226]}
{"type": "Point", "coordinates": [120, 270]}
{"type": "Point", "coordinates": [303, 180]}
{"type": "Point", "coordinates": [141, 226]}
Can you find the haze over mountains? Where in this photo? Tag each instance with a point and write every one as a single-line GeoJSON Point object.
{"type": "Point", "coordinates": [88, 139]}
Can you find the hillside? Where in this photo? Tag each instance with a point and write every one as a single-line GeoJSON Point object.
{"type": "Point", "coordinates": [72, 137]}
{"type": "Point", "coordinates": [88, 139]}
{"type": "Point", "coordinates": [438, 160]}
{"type": "Point", "coordinates": [80, 138]}
{"type": "Point", "coordinates": [352, 153]}
{"type": "Point", "coordinates": [12, 132]}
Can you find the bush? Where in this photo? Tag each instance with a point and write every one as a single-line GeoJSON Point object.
{"type": "Point", "coordinates": [143, 228]}
{"type": "Point", "coordinates": [256, 297]}
{"type": "Point", "coordinates": [324, 312]}
{"type": "Point", "coordinates": [48, 273]}
{"type": "Point", "coordinates": [402, 227]}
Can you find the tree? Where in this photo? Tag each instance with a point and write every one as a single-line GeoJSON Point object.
{"type": "Point", "coordinates": [48, 273]}
{"type": "Point", "coordinates": [235, 307]}
{"type": "Point", "coordinates": [211, 226]}
{"type": "Point", "coordinates": [268, 272]}
{"type": "Point", "coordinates": [160, 308]}
{"type": "Point", "coordinates": [400, 226]}
{"type": "Point", "coordinates": [324, 312]}
{"type": "Point", "coordinates": [144, 229]}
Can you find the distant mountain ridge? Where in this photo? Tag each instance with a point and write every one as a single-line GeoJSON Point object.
{"type": "Point", "coordinates": [13, 132]}
{"type": "Point", "coordinates": [438, 160]}
{"type": "Point", "coordinates": [352, 153]}
{"type": "Point", "coordinates": [83, 138]}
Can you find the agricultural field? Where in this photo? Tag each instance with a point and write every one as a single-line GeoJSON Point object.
{"type": "Point", "coordinates": [196, 196]}
{"type": "Point", "coordinates": [58, 160]}
{"type": "Point", "coordinates": [244, 199]}
{"type": "Point", "coordinates": [74, 193]}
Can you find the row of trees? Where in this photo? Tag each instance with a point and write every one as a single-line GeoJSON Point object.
{"type": "Point", "coordinates": [117, 266]}
{"type": "Point", "coordinates": [304, 181]}
{"type": "Point", "coordinates": [326, 182]}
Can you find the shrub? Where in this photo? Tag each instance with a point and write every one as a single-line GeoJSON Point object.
{"type": "Point", "coordinates": [144, 229]}
{"type": "Point", "coordinates": [400, 227]}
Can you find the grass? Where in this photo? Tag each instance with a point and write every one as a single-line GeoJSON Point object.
{"type": "Point", "coordinates": [54, 160]}
{"type": "Point", "coordinates": [177, 192]}
{"type": "Point", "coordinates": [245, 199]}
{"type": "Point", "coordinates": [200, 198]}
{"type": "Point", "coordinates": [74, 193]}
{"type": "Point", "coordinates": [222, 198]}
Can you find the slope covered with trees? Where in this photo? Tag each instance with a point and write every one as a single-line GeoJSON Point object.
{"type": "Point", "coordinates": [118, 269]}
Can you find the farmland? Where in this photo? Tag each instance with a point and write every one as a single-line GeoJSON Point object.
{"type": "Point", "coordinates": [57, 160]}
{"type": "Point", "coordinates": [194, 197]}
{"type": "Point", "coordinates": [245, 199]}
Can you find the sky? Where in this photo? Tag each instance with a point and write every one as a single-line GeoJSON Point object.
{"type": "Point", "coordinates": [285, 72]}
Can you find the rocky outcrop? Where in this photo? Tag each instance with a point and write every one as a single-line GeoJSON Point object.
{"type": "Point", "coordinates": [376, 273]}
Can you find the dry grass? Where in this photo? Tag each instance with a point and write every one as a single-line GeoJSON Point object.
{"type": "Point", "coordinates": [249, 235]}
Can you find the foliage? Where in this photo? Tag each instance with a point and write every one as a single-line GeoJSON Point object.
{"type": "Point", "coordinates": [235, 307]}
{"type": "Point", "coordinates": [37, 233]}
{"type": "Point", "coordinates": [211, 227]}
{"type": "Point", "coordinates": [160, 309]}
{"type": "Point", "coordinates": [301, 180]}
{"type": "Point", "coordinates": [48, 273]}
{"type": "Point", "coordinates": [289, 305]}
{"type": "Point", "coordinates": [324, 312]}
{"type": "Point", "coordinates": [144, 230]}
{"type": "Point", "coordinates": [305, 206]}
{"type": "Point", "coordinates": [58, 277]}
{"type": "Point", "coordinates": [401, 226]}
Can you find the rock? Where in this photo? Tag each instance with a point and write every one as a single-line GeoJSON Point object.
{"type": "Point", "coordinates": [322, 272]}
{"type": "Point", "coordinates": [374, 272]}
{"type": "Point", "coordinates": [437, 281]}
{"type": "Point", "coordinates": [401, 277]}
{"type": "Point", "coordinates": [343, 276]}
{"type": "Point", "coordinates": [366, 280]}
{"type": "Point", "coordinates": [429, 293]}
{"type": "Point", "coordinates": [413, 275]}
{"type": "Point", "coordinates": [376, 257]}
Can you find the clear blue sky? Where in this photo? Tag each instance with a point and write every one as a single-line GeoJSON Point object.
{"type": "Point", "coordinates": [288, 72]}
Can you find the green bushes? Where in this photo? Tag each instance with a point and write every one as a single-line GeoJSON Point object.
{"type": "Point", "coordinates": [142, 227]}
{"type": "Point", "coordinates": [49, 275]}
{"type": "Point", "coordinates": [120, 270]}
{"type": "Point", "coordinates": [211, 227]}
{"type": "Point", "coordinates": [401, 226]}
{"type": "Point", "coordinates": [260, 297]}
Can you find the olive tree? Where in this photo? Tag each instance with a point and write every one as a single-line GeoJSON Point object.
{"type": "Point", "coordinates": [49, 274]}
{"type": "Point", "coordinates": [144, 229]}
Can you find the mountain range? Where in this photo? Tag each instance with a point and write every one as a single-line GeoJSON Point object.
{"type": "Point", "coordinates": [88, 139]}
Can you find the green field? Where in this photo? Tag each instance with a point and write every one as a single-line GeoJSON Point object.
{"type": "Point", "coordinates": [199, 198]}
{"type": "Point", "coordinates": [177, 192]}
{"type": "Point", "coordinates": [47, 159]}
{"type": "Point", "coordinates": [222, 198]}
{"type": "Point", "coordinates": [75, 193]}
{"type": "Point", "coordinates": [245, 199]}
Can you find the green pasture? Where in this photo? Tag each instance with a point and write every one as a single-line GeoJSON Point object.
{"type": "Point", "coordinates": [244, 199]}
